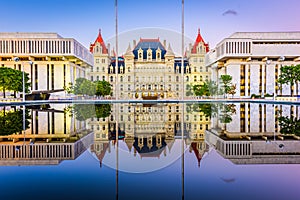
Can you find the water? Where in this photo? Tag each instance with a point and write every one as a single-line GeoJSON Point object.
{"type": "Point", "coordinates": [224, 151]}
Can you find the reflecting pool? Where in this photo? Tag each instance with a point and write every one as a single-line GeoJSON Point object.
{"type": "Point", "coordinates": [150, 151]}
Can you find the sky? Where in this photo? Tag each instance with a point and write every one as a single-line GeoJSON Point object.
{"type": "Point", "coordinates": [217, 19]}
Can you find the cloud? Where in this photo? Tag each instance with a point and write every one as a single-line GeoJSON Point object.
{"type": "Point", "coordinates": [230, 12]}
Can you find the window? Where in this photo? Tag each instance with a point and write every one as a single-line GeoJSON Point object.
{"type": "Point", "coordinates": [97, 78]}
{"type": "Point", "coordinates": [201, 68]}
{"type": "Point", "coordinates": [128, 69]}
{"type": "Point", "coordinates": [92, 78]}
{"type": "Point", "coordinates": [170, 78]}
{"type": "Point", "coordinates": [103, 69]}
{"type": "Point", "coordinates": [97, 60]}
{"type": "Point", "coordinates": [177, 78]}
{"type": "Point", "coordinates": [103, 78]}
{"type": "Point", "coordinates": [195, 78]}
{"type": "Point", "coordinates": [195, 69]}
{"type": "Point", "coordinates": [177, 69]}
{"type": "Point", "coordinates": [103, 60]}
{"type": "Point", "coordinates": [111, 79]}
{"type": "Point", "coordinates": [187, 78]}
{"type": "Point", "coordinates": [121, 78]}
{"type": "Point", "coordinates": [97, 69]}
{"type": "Point", "coordinates": [129, 79]}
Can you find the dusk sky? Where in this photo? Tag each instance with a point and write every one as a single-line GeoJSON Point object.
{"type": "Point", "coordinates": [81, 20]}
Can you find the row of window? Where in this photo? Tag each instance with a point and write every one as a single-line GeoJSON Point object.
{"type": "Point", "coordinates": [35, 46]}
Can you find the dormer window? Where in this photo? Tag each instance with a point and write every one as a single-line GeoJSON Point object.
{"type": "Point", "coordinates": [149, 54]}
{"type": "Point", "coordinates": [158, 54]}
{"type": "Point", "coordinates": [140, 54]}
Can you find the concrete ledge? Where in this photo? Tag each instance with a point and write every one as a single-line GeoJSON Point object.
{"type": "Point", "coordinates": [104, 101]}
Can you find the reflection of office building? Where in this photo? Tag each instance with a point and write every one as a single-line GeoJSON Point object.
{"type": "Point", "coordinates": [150, 69]}
{"type": "Point", "coordinates": [52, 136]}
{"type": "Point", "coordinates": [253, 135]}
{"type": "Point", "coordinates": [57, 61]}
{"type": "Point", "coordinates": [254, 60]}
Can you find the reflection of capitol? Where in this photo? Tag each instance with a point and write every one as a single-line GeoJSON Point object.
{"type": "Point", "coordinates": [253, 136]}
{"type": "Point", "coordinates": [52, 136]}
{"type": "Point", "coordinates": [149, 130]}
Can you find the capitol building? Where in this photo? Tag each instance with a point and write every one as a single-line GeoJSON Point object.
{"type": "Point", "coordinates": [150, 69]}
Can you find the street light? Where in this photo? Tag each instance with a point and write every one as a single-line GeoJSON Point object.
{"type": "Point", "coordinates": [268, 62]}
{"type": "Point", "coordinates": [17, 59]}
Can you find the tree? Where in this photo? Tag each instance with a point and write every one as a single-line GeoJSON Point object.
{"type": "Point", "coordinates": [12, 80]}
{"type": "Point", "coordinates": [289, 125]}
{"type": "Point", "coordinates": [84, 87]}
{"type": "Point", "coordinates": [87, 111]}
{"type": "Point", "coordinates": [103, 88]}
{"type": "Point", "coordinates": [208, 88]}
{"type": "Point", "coordinates": [212, 87]}
{"type": "Point", "coordinates": [201, 90]}
{"type": "Point", "coordinates": [232, 90]}
{"type": "Point", "coordinates": [297, 76]}
{"type": "Point", "coordinates": [288, 76]}
{"type": "Point", "coordinates": [70, 88]}
{"type": "Point", "coordinates": [226, 81]}
{"type": "Point", "coordinates": [189, 90]}
{"type": "Point", "coordinates": [12, 121]}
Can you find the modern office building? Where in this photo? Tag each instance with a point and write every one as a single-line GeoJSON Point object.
{"type": "Point", "coordinates": [254, 59]}
{"type": "Point", "coordinates": [150, 69]}
{"type": "Point", "coordinates": [55, 61]}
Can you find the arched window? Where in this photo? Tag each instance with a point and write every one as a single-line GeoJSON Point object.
{"type": "Point", "coordinates": [111, 79]}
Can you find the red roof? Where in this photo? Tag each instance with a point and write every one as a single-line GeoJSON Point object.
{"type": "Point", "coordinates": [197, 154]}
{"type": "Point", "coordinates": [99, 40]}
{"type": "Point", "coordinates": [198, 40]}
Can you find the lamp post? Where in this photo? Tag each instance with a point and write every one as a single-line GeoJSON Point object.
{"type": "Point", "coordinates": [268, 62]}
{"type": "Point", "coordinates": [281, 59]}
{"type": "Point", "coordinates": [17, 59]}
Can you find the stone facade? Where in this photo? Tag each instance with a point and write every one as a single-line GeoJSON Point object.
{"type": "Point", "coordinates": [150, 70]}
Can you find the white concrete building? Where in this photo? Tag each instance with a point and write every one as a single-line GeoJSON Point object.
{"type": "Point", "coordinates": [57, 61]}
{"type": "Point", "coordinates": [254, 59]}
